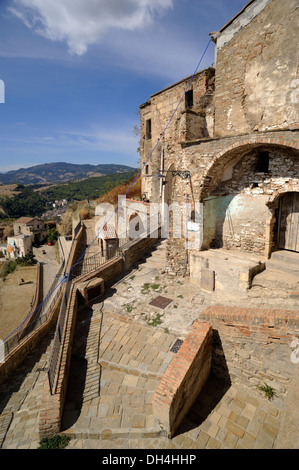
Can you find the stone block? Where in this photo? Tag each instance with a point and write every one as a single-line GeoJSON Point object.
{"type": "Point", "coordinates": [207, 280]}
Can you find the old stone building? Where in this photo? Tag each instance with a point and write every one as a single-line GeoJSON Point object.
{"type": "Point", "coordinates": [34, 228]}
{"type": "Point", "coordinates": [231, 149]}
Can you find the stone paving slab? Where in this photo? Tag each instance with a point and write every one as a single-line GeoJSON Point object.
{"type": "Point", "coordinates": [118, 412]}
{"type": "Point", "coordinates": [131, 358]}
{"type": "Point", "coordinates": [238, 421]}
{"type": "Point", "coordinates": [117, 362]}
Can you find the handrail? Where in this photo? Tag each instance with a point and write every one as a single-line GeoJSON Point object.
{"type": "Point", "coordinates": [84, 266]}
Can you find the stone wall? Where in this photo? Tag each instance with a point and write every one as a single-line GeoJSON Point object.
{"type": "Point", "coordinates": [190, 122]}
{"type": "Point", "coordinates": [51, 412]}
{"type": "Point", "coordinates": [238, 202]}
{"type": "Point", "coordinates": [252, 347]}
{"type": "Point", "coordinates": [249, 104]}
{"type": "Point", "coordinates": [256, 72]}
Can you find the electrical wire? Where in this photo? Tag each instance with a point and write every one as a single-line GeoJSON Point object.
{"type": "Point", "coordinates": [125, 195]}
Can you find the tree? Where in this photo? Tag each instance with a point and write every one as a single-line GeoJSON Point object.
{"type": "Point", "coordinates": [52, 235]}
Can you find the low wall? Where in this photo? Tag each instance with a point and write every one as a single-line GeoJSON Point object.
{"type": "Point", "coordinates": [31, 341]}
{"type": "Point", "coordinates": [37, 298]}
{"type": "Point", "coordinates": [253, 346]}
{"type": "Point", "coordinates": [134, 250]}
{"type": "Point", "coordinates": [184, 378]}
{"type": "Point", "coordinates": [51, 413]}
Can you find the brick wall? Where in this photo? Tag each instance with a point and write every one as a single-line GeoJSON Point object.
{"type": "Point", "coordinates": [253, 346]}
{"type": "Point", "coordinates": [51, 413]}
{"type": "Point", "coordinates": [184, 377]}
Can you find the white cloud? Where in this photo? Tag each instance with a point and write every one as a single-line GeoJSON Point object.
{"type": "Point", "coordinates": [83, 23]}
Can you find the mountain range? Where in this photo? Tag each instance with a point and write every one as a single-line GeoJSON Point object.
{"type": "Point", "coordinates": [49, 173]}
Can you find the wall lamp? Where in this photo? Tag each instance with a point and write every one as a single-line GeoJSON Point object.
{"type": "Point", "coordinates": [184, 174]}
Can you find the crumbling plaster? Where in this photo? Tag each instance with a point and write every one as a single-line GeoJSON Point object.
{"type": "Point", "coordinates": [257, 71]}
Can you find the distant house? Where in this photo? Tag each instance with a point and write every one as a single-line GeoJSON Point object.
{"type": "Point", "coordinates": [35, 228]}
{"type": "Point", "coordinates": [18, 246]}
{"type": "Point", "coordinates": [108, 241]}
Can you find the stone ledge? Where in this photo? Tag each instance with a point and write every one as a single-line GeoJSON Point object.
{"type": "Point", "coordinates": [111, 434]}
{"type": "Point", "coordinates": [129, 370]}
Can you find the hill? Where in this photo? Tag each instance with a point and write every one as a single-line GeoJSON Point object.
{"type": "Point", "coordinates": [89, 188]}
{"type": "Point", "coordinates": [49, 173]}
{"type": "Point", "coordinates": [29, 202]}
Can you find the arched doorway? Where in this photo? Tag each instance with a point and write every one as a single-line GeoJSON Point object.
{"type": "Point", "coordinates": [288, 222]}
{"type": "Point", "coordinates": [235, 196]}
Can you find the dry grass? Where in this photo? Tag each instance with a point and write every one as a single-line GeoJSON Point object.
{"type": "Point", "coordinates": [8, 190]}
{"type": "Point", "coordinates": [112, 196]}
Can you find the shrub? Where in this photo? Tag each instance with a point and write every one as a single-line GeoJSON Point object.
{"type": "Point", "coordinates": [56, 442]}
{"type": "Point", "coordinates": [268, 391]}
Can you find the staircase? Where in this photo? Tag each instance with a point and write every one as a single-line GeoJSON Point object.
{"type": "Point", "coordinates": [284, 262]}
{"type": "Point", "coordinates": [280, 279]}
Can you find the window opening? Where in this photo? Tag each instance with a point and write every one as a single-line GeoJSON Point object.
{"type": "Point", "coordinates": [263, 162]}
{"type": "Point", "coordinates": [189, 99]}
{"type": "Point", "coordinates": [149, 129]}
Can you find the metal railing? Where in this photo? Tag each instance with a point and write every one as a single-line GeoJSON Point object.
{"type": "Point", "coordinates": [36, 318]}
{"type": "Point", "coordinates": [58, 338]}
{"type": "Point", "coordinates": [86, 265]}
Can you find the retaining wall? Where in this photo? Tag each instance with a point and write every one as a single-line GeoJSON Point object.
{"type": "Point", "coordinates": [252, 347]}
{"type": "Point", "coordinates": [31, 341]}
{"type": "Point", "coordinates": [184, 378]}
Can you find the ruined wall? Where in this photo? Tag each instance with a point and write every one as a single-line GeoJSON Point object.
{"type": "Point", "coordinates": [237, 211]}
{"type": "Point", "coordinates": [193, 120]}
{"type": "Point", "coordinates": [256, 72]}
{"type": "Point", "coordinates": [252, 347]}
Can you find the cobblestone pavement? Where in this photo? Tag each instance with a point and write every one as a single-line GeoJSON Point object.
{"type": "Point", "coordinates": [121, 349]}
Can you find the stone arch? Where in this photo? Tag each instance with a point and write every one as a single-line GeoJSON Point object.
{"type": "Point", "coordinates": [244, 215]}
{"type": "Point", "coordinates": [236, 151]}
{"type": "Point", "coordinates": [136, 225]}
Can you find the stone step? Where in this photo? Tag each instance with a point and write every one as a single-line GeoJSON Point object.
{"type": "Point", "coordinates": [282, 266]}
{"type": "Point", "coordinates": [114, 433]}
{"type": "Point", "coordinates": [289, 257]}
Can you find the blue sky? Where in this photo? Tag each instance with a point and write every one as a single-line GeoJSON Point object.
{"type": "Point", "coordinates": [76, 72]}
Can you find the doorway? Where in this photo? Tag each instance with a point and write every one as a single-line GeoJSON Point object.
{"type": "Point", "coordinates": [288, 224]}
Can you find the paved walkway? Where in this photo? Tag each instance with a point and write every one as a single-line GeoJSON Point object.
{"type": "Point", "coordinates": [117, 361]}
{"type": "Point", "coordinates": [113, 376]}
